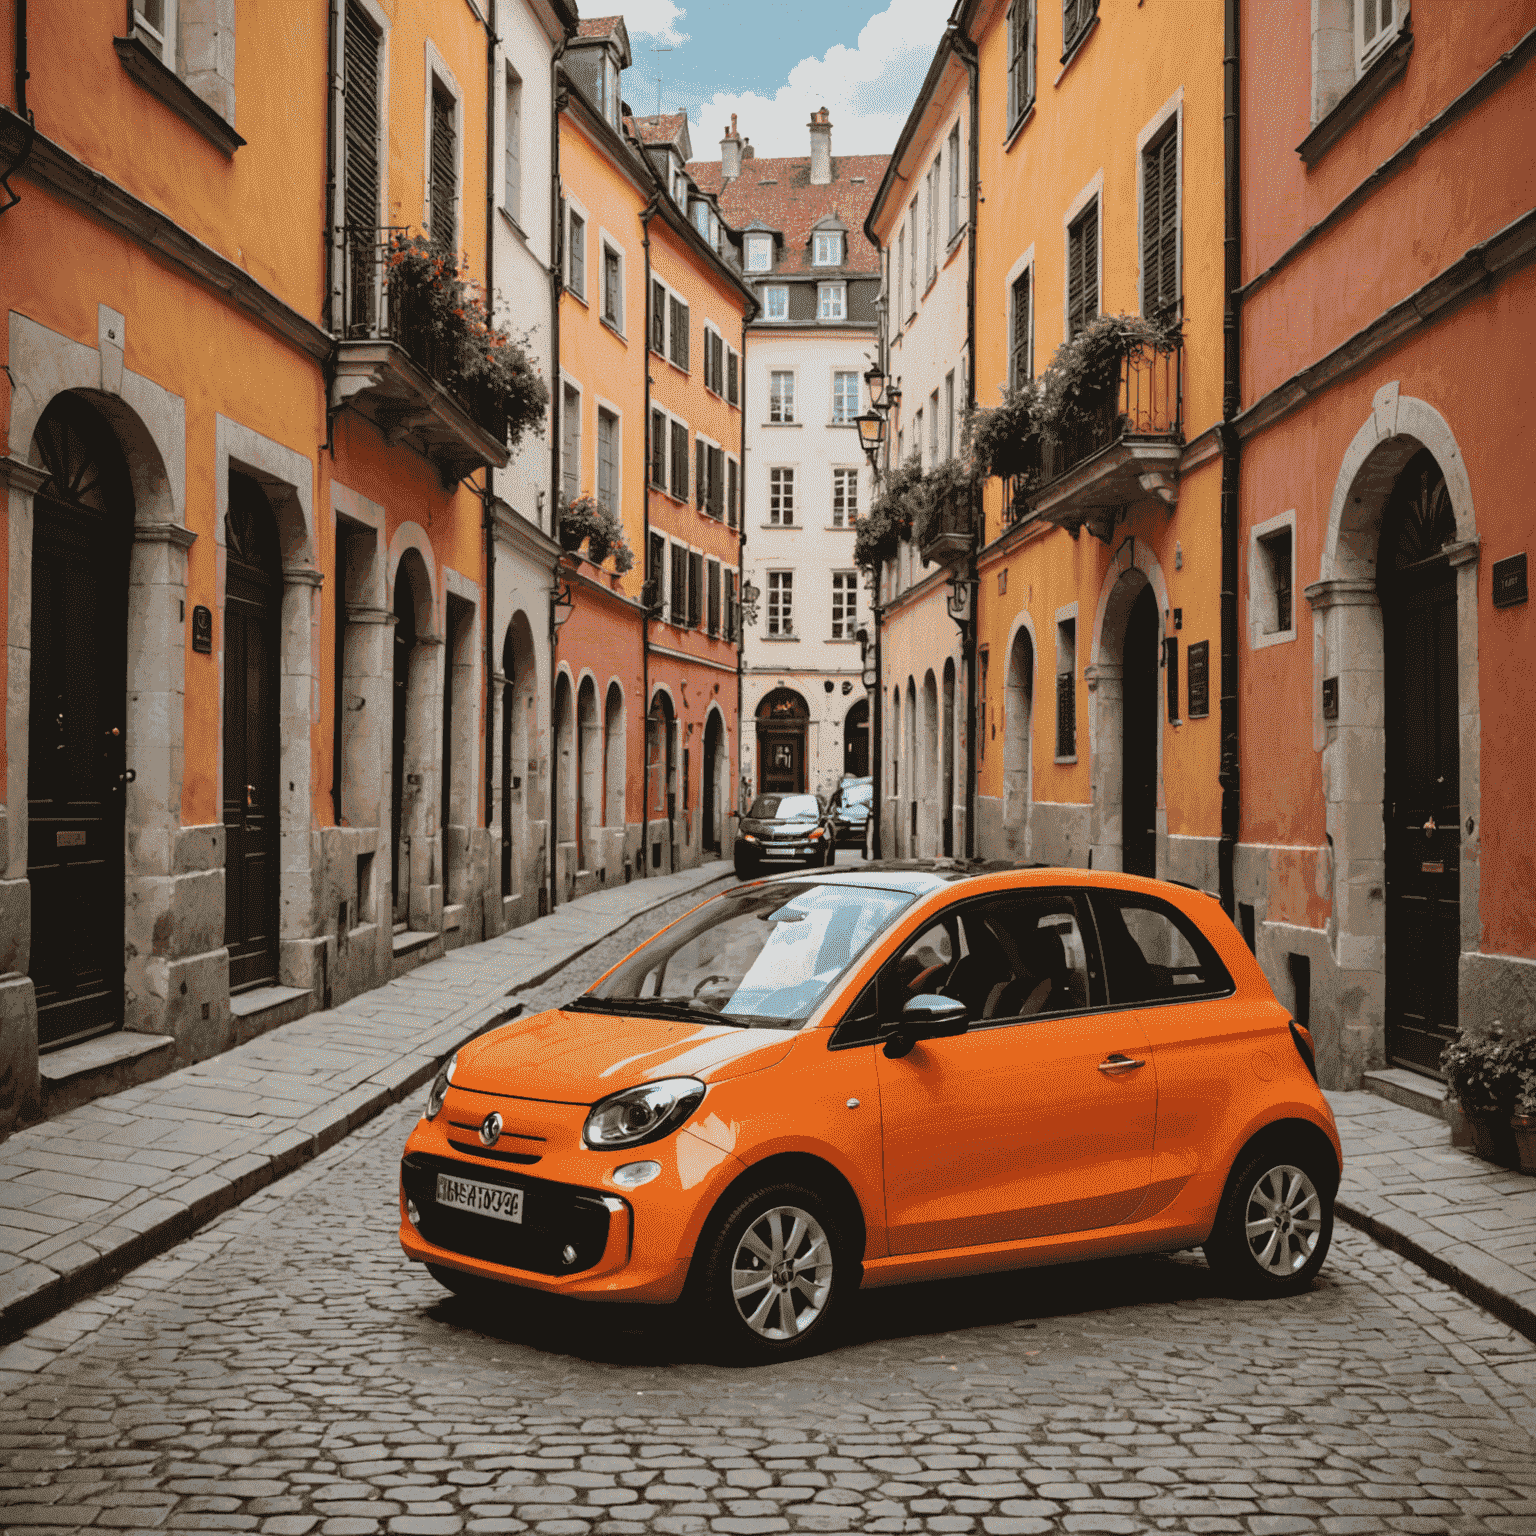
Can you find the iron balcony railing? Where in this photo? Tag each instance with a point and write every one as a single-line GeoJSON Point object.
{"type": "Point", "coordinates": [372, 308]}
{"type": "Point", "coordinates": [1147, 402]}
{"type": "Point", "coordinates": [949, 526]}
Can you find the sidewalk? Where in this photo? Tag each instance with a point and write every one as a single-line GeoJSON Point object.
{"type": "Point", "coordinates": [90, 1194]}
{"type": "Point", "coordinates": [1466, 1222]}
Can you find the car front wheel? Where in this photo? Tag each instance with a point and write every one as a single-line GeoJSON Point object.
{"type": "Point", "coordinates": [774, 1275]}
{"type": "Point", "coordinates": [1275, 1224]}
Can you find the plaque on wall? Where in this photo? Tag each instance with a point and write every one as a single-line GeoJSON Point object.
{"type": "Point", "coordinates": [1199, 662]}
{"type": "Point", "coordinates": [1330, 698]}
{"type": "Point", "coordinates": [1509, 581]}
{"type": "Point", "coordinates": [202, 630]}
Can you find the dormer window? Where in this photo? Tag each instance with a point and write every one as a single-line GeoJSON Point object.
{"type": "Point", "coordinates": [827, 248]}
{"type": "Point", "coordinates": [701, 218]}
{"type": "Point", "coordinates": [759, 253]}
{"type": "Point", "coordinates": [611, 106]}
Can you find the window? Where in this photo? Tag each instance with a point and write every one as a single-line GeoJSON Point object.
{"type": "Point", "coordinates": [677, 610]}
{"type": "Point", "coordinates": [732, 482]}
{"type": "Point", "coordinates": [949, 414]}
{"type": "Point", "coordinates": [607, 460]}
{"type": "Point", "coordinates": [512, 196]}
{"type": "Point", "coordinates": [1066, 688]}
{"type": "Point", "coordinates": [731, 627]}
{"type": "Point", "coordinates": [781, 396]}
{"type": "Point", "coordinates": [1083, 269]}
{"type": "Point", "coordinates": [714, 362]}
{"type": "Point", "coordinates": [1153, 953]}
{"type": "Point", "coordinates": [695, 590]}
{"type": "Point", "coordinates": [1270, 580]}
{"type": "Point", "coordinates": [1075, 18]}
{"type": "Point", "coordinates": [1160, 224]}
{"type": "Point", "coordinates": [845, 498]}
{"type": "Point", "coordinates": [155, 22]}
{"type": "Point", "coordinates": [576, 256]}
{"type": "Point", "coordinates": [901, 274]}
{"type": "Point", "coordinates": [1021, 59]}
{"type": "Point", "coordinates": [613, 288]}
{"type": "Point", "coordinates": [917, 437]}
{"type": "Point", "coordinates": [776, 303]}
{"type": "Point", "coordinates": [680, 460]}
{"type": "Point", "coordinates": [441, 199]}
{"type": "Point", "coordinates": [912, 270]}
{"type": "Point", "coordinates": [701, 218]}
{"type": "Point", "coordinates": [715, 502]}
{"type": "Point", "coordinates": [1021, 364]}
{"type": "Point", "coordinates": [831, 301]}
{"type": "Point", "coordinates": [360, 129]}
{"type": "Point", "coordinates": [612, 107]}
{"type": "Point", "coordinates": [845, 601]}
{"type": "Point", "coordinates": [930, 243]}
{"type": "Point", "coordinates": [658, 318]}
{"type": "Point", "coordinates": [658, 450]}
{"type": "Point", "coordinates": [845, 397]}
{"type": "Point", "coordinates": [656, 572]}
{"type": "Point", "coordinates": [712, 584]}
{"type": "Point", "coordinates": [1377, 22]}
{"type": "Point", "coordinates": [827, 249]}
{"type": "Point", "coordinates": [732, 375]}
{"type": "Point", "coordinates": [679, 352]}
{"type": "Point", "coordinates": [700, 472]}
{"type": "Point", "coordinates": [781, 602]}
{"type": "Point", "coordinates": [759, 253]}
{"type": "Point", "coordinates": [570, 442]}
{"type": "Point", "coordinates": [781, 497]}
{"type": "Point", "coordinates": [954, 181]}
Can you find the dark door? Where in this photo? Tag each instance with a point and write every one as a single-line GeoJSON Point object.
{"type": "Point", "coordinates": [856, 741]}
{"type": "Point", "coordinates": [252, 594]}
{"type": "Point", "coordinates": [1423, 778]}
{"type": "Point", "coordinates": [781, 762]}
{"type": "Point", "coordinates": [82, 522]}
{"type": "Point", "coordinates": [711, 773]}
{"type": "Point", "coordinates": [1138, 790]}
{"type": "Point", "coordinates": [405, 643]}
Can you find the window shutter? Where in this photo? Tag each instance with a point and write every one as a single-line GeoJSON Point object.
{"type": "Point", "coordinates": [658, 449]}
{"type": "Point", "coordinates": [716, 482]}
{"type": "Point", "coordinates": [700, 472]}
{"type": "Point", "coordinates": [730, 492]}
{"type": "Point", "coordinates": [680, 461]}
{"type": "Point", "coordinates": [714, 597]}
{"type": "Point", "coordinates": [695, 589]}
{"type": "Point", "coordinates": [731, 377]}
{"type": "Point", "coordinates": [679, 608]}
{"type": "Point", "coordinates": [658, 318]}
{"type": "Point", "coordinates": [1160, 225]}
{"type": "Point", "coordinates": [1021, 360]}
{"type": "Point", "coordinates": [1083, 270]}
{"type": "Point", "coordinates": [679, 333]}
{"type": "Point", "coordinates": [360, 209]}
{"type": "Point", "coordinates": [444, 231]}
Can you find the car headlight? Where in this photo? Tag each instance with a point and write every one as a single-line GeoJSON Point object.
{"type": "Point", "coordinates": [439, 1089]}
{"type": "Point", "coordinates": [749, 837]}
{"type": "Point", "coordinates": [815, 834]}
{"type": "Point", "coordinates": [641, 1114]}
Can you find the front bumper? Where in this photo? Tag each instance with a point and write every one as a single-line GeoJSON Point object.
{"type": "Point", "coordinates": [786, 850]}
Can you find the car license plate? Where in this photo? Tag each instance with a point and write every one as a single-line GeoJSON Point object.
{"type": "Point", "coordinates": [492, 1200]}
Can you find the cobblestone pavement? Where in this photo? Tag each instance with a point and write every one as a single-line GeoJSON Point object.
{"type": "Point", "coordinates": [287, 1371]}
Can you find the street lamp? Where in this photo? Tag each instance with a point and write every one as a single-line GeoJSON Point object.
{"type": "Point", "coordinates": [749, 597]}
{"type": "Point", "coordinates": [961, 600]}
{"type": "Point", "coordinates": [561, 603]}
{"type": "Point", "coordinates": [875, 379]}
{"type": "Point", "coordinates": [867, 659]}
{"type": "Point", "coordinates": [871, 427]}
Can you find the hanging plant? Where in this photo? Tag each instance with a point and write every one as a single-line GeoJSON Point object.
{"type": "Point", "coordinates": [888, 523]}
{"type": "Point", "coordinates": [1004, 442]}
{"type": "Point", "coordinates": [587, 521]}
{"type": "Point", "coordinates": [935, 497]}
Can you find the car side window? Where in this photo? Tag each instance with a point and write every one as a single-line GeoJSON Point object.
{"type": "Point", "coordinates": [1028, 954]}
{"type": "Point", "coordinates": [921, 965]}
{"type": "Point", "coordinates": [1153, 953]}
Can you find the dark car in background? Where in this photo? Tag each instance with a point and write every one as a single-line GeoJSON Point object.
{"type": "Point", "coordinates": [783, 827]}
{"type": "Point", "coordinates": [850, 811]}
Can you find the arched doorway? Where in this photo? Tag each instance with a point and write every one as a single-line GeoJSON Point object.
{"type": "Point", "coordinates": [1018, 743]}
{"type": "Point", "coordinates": [1417, 587]}
{"type": "Point", "coordinates": [589, 775]}
{"type": "Point", "coordinates": [1138, 736]}
{"type": "Point", "coordinates": [927, 833]}
{"type": "Point", "coordinates": [412, 727]}
{"type": "Point", "coordinates": [947, 759]}
{"type": "Point", "coordinates": [856, 740]}
{"type": "Point", "coordinates": [252, 611]}
{"type": "Point", "coordinates": [711, 782]}
{"type": "Point", "coordinates": [564, 775]}
{"type": "Point", "coordinates": [614, 762]}
{"type": "Point", "coordinates": [661, 754]}
{"type": "Point", "coordinates": [782, 718]}
{"type": "Point", "coordinates": [82, 531]}
{"type": "Point", "coordinates": [518, 703]}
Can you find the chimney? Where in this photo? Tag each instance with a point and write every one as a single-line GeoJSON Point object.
{"type": "Point", "coordinates": [747, 152]}
{"type": "Point", "coordinates": [730, 153]}
{"type": "Point", "coordinates": [821, 148]}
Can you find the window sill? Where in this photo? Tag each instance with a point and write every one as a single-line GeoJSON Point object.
{"type": "Point", "coordinates": [849, 423]}
{"type": "Point", "coordinates": [836, 640]}
{"type": "Point", "coordinates": [1270, 637]}
{"type": "Point", "coordinates": [956, 240]}
{"type": "Point", "coordinates": [681, 368]}
{"type": "Point", "coordinates": [610, 326]}
{"type": "Point", "coordinates": [1383, 72]}
{"type": "Point", "coordinates": [576, 294]}
{"type": "Point", "coordinates": [783, 423]}
{"type": "Point", "coordinates": [1069, 58]}
{"type": "Point", "coordinates": [1012, 136]}
{"type": "Point", "coordinates": [781, 639]}
{"type": "Point", "coordinates": [140, 61]}
{"type": "Point", "coordinates": [1065, 762]}
{"type": "Point", "coordinates": [782, 527]}
{"type": "Point", "coordinates": [517, 229]}
{"type": "Point", "coordinates": [840, 528]}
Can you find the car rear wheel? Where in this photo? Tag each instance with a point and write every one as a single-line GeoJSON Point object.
{"type": "Point", "coordinates": [774, 1274]}
{"type": "Point", "coordinates": [1275, 1224]}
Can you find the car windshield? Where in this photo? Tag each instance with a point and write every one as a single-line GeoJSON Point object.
{"type": "Point", "coordinates": [785, 808]}
{"type": "Point", "coordinates": [856, 794]}
{"type": "Point", "coordinates": [763, 956]}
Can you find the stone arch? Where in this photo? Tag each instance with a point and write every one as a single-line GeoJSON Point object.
{"type": "Point", "coordinates": [521, 806]}
{"type": "Point", "coordinates": [615, 759]}
{"type": "Point", "coordinates": [1348, 644]}
{"type": "Point", "coordinates": [714, 781]}
{"type": "Point", "coordinates": [589, 772]}
{"type": "Point", "coordinates": [1018, 738]}
{"type": "Point", "coordinates": [412, 538]}
{"type": "Point", "coordinates": [929, 750]}
{"type": "Point", "coordinates": [1133, 569]}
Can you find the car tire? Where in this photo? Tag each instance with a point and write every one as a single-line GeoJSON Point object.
{"type": "Point", "coordinates": [1275, 1223]}
{"type": "Point", "coordinates": [792, 1309]}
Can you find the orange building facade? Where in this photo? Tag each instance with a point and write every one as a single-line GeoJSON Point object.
{"type": "Point", "coordinates": [245, 739]}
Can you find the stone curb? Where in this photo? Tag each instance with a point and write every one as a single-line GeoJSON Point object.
{"type": "Point", "coordinates": [1499, 1303]}
{"type": "Point", "coordinates": [289, 1149]}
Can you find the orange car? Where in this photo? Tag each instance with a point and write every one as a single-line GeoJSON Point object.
{"type": "Point", "coordinates": [825, 1081]}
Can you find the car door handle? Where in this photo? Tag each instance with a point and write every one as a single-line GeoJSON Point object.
{"type": "Point", "coordinates": [1115, 1062]}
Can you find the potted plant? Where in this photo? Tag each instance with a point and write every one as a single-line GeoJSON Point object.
{"type": "Point", "coordinates": [1482, 1068]}
{"type": "Point", "coordinates": [587, 521]}
{"type": "Point", "coordinates": [1523, 1122]}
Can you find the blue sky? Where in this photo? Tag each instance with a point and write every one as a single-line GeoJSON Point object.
{"type": "Point", "coordinates": [773, 64]}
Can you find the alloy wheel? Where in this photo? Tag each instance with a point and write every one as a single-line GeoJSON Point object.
{"type": "Point", "coordinates": [781, 1273]}
{"type": "Point", "coordinates": [1283, 1220]}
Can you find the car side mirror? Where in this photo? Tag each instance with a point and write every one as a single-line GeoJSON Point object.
{"type": "Point", "coordinates": [928, 1016]}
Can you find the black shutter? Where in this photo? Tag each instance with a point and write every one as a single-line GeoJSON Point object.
{"type": "Point", "coordinates": [1083, 270]}
{"type": "Point", "coordinates": [1171, 669]}
{"type": "Point", "coordinates": [680, 461]}
{"type": "Point", "coordinates": [679, 608]}
{"type": "Point", "coordinates": [658, 449]}
{"type": "Point", "coordinates": [716, 483]}
{"type": "Point", "coordinates": [714, 597]}
{"type": "Point", "coordinates": [695, 589]}
{"type": "Point", "coordinates": [1160, 225]}
{"type": "Point", "coordinates": [732, 628]}
{"type": "Point", "coordinates": [1066, 715]}
{"type": "Point", "coordinates": [1020, 362]}
{"type": "Point", "coordinates": [360, 205]}
{"type": "Point", "coordinates": [445, 234]}
{"type": "Point", "coordinates": [730, 492]}
{"type": "Point", "coordinates": [658, 318]}
{"type": "Point", "coordinates": [700, 472]}
{"type": "Point", "coordinates": [1075, 16]}
{"type": "Point", "coordinates": [730, 377]}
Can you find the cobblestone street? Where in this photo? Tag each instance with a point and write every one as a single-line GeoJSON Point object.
{"type": "Point", "coordinates": [287, 1371]}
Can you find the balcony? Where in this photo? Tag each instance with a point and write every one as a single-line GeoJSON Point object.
{"type": "Point", "coordinates": [399, 368]}
{"type": "Point", "coordinates": [946, 534]}
{"type": "Point", "coordinates": [1126, 449]}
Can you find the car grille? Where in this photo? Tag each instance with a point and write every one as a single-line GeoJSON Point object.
{"type": "Point", "coordinates": [554, 1216]}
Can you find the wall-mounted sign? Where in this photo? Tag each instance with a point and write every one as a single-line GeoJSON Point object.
{"type": "Point", "coordinates": [1509, 581]}
{"type": "Point", "coordinates": [202, 630]}
{"type": "Point", "coordinates": [71, 839]}
{"type": "Point", "coordinates": [1330, 698]}
{"type": "Point", "coordinates": [1199, 679]}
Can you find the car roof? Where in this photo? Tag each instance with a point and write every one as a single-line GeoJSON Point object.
{"type": "Point", "coordinates": [924, 876]}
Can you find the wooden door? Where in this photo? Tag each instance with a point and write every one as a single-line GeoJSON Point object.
{"type": "Point", "coordinates": [78, 748]}
{"type": "Point", "coordinates": [1138, 801]}
{"type": "Point", "coordinates": [781, 760]}
{"type": "Point", "coordinates": [405, 643]}
{"type": "Point", "coordinates": [1423, 772]}
{"type": "Point", "coordinates": [252, 595]}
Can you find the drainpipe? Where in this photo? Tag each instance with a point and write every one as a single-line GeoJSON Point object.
{"type": "Point", "coordinates": [1231, 461]}
{"type": "Point", "coordinates": [23, 74]}
{"type": "Point", "coordinates": [646, 215]}
{"type": "Point", "coordinates": [741, 565]}
{"type": "Point", "coordinates": [557, 102]}
{"type": "Point", "coordinates": [965, 50]}
{"type": "Point", "coordinates": [876, 611]}
{"type": "Point", "coordinates": [488, 493]}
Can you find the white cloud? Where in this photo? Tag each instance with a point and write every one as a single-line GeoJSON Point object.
{"type": "Point", "coordinates": [653, 18]}
{"type": "Point", "coordinates": [869, 90]}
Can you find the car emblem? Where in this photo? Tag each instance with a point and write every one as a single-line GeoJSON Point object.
{"type": "Point", "coordinates": [490, 1129]}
